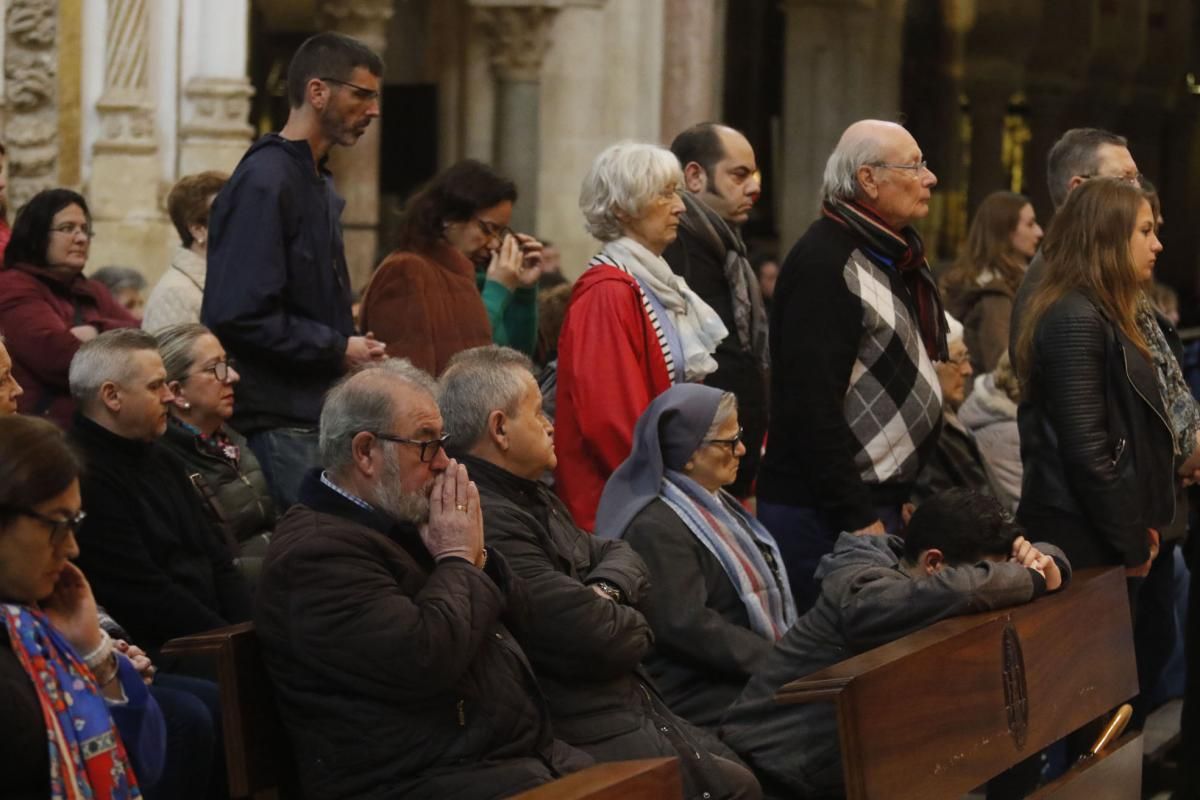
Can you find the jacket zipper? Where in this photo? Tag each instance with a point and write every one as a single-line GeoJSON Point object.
{"type": "Point", "coordinates": [1167, 425]}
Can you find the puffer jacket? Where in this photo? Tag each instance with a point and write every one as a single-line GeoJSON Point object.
{"type": "Point", "coordinates": [396, 676]}
{"type": "Point", "coordinates": [985, 312]}
{"type": "Point", "coordinates": [1095, 442]}
{"type": "Point", "coordinates": [236, 496]}
{"type": "Point", "coordinates": [867, 599]}
{"type": "Point", "coordinates": [585, 648]}
{"type": "Point", "coordinates": [991, 417]}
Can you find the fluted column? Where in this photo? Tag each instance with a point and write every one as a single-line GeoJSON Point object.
{"type": "Point", "coordinates": [356, 169]}
{"type": "Point", "coordinates": [841, 64]}
{"type": "Point", "coordinates": [31, 118]}
{"type": "Point", "coordinates": [214, 128]}
{"type": "Point", "coordinates": [518, 35]}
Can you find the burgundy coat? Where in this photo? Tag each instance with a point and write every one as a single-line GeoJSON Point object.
{"type": "Point", "coordinates": [38, 308]}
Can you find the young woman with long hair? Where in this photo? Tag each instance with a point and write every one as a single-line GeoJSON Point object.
{"type": "Point", "coordinates": [1097, 440]}
{"type": "Point", "coordinates": [979, 288]}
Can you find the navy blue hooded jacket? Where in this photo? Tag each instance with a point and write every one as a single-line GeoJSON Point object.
{"type": "Point", "coordinates": [277, 293]}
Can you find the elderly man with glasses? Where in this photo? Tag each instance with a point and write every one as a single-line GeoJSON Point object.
{"type": "Point", "coordinates": [855, 331]}
{"type": "Point", "coordinates": [384, 620]}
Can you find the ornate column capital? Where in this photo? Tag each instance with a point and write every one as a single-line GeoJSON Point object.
{"type": "Point", "coordinates": [518, 34]}
{"type": "Point", "coordinates": [365, 20]}
{"type": "Point", "coordinates": [218, 108]}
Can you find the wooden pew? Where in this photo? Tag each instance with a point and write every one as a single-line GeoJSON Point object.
{"type": "Point", "coordinates": [939, 712]}
{"type": "Point", "coordinates": [260, 760]}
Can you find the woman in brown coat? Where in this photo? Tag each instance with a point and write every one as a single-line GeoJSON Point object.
{"type": "Point", "coordinates": [979, 288]}
{"type": "Point", "coordinates": [460, 277]}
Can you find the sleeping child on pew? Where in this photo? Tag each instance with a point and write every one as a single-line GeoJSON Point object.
{"type": "Point", "coordinates": [961, 554]}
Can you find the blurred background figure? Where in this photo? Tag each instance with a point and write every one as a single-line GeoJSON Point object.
{"type": "Point", "coordinates": [979, 288]}
{"type": "Point", "coordinates": [127, 287]}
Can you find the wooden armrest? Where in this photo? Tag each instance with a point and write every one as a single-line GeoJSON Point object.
{"type": "Point", "coordinates": [645, 779]}
{"type": "Point", "coordinates": [201, 643]}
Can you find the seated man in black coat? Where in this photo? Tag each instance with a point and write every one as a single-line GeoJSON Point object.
{"type": "Point", "coordinates": [153, 558]}
{"type": "Point", "coordinates": [586, 636]}
{"type": "Point", "coordinates": [380, 615]}
{"type": "Point", "coordinates": [961, 554]}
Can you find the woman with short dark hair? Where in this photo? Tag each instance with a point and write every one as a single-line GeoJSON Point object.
{"type": "Point", "coordinates": [63, 682]}
{"type": "Point", "coordinates": [459, 277]}
{"type": "Point", "coordinates": [47, 307]}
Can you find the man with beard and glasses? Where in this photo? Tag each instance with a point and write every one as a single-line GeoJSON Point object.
{"type": "Point", "coordinates": [384, 621]}
{"type": "Point", "coordinates": [277, 292]}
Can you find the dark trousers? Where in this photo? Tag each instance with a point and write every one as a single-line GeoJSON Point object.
{"type": "Point", "coordinates": [195, 763]}
{"type": "Point", "coordinates": [1154, 629]}
{"type": "Point", "coordinates": [805, 536]}
{"type": "Point", "coordinates": [285, 455]}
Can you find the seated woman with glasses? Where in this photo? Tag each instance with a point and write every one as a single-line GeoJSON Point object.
{"type": "Point", "coordinates": [78, 719]}
{"type": "Point", "coordinates": [719, 595]}
{"type": "Point", "coordinates": [460, 277]}
{"type": "Point", "coordinates": [47, 307]}
{"type": "Point", "coordinates": [223, 469]}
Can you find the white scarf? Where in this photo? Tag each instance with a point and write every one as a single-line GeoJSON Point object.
{"type": "Point", "coordinates": [700, 329]}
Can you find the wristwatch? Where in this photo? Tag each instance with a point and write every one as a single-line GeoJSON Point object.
{"type": "Point", "coordinates": [609, 589]}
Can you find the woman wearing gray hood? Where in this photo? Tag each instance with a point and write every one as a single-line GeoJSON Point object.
{"type": "Point", "coordinates": [990, 414]}
{"type": "Point", "coordinates": [719, 595]}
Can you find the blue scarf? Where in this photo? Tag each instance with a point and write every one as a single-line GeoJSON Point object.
{"type": "Point", "coordinates": [87, 758]}
{"type": "Point", "coordinates": [737, 541]}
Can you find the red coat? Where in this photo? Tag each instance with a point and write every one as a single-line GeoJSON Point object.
{"type": "Point", "coordinates": [38, 308]}
{"type": "Point", "coordinates": [610, 366]}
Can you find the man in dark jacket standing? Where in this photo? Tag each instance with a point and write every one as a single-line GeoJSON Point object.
{"type": "Point", "coordinates": [961, 554]}
{"type": "Point", "coordinates": [855, 330]}
{"type": "Point", "coordinates": [380, 615]}
{"type": "Point", "coordinates": [586, 636]}
{"type": "Point", "coordinates": [721, 181]}
{"type": "Point", "coordinates": [278, 290]}
{"type": "Point", "coordinates": [154, 559]}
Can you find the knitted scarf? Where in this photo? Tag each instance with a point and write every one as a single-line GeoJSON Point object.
{"type": "Point", "coordinates": [749, 311]}
{"type": "Point", "coordinates": [700, 329]}
{"type": "Point", "coordinates": [1177, 398]}
{"type": "Point", "coordinates": [742, 546]}
{"type": "Point", "coordinates": [87, 757]}
{"type": "Point", "coordinates": [904, 252]}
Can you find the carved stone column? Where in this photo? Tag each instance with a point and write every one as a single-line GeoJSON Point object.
{"type": "Point", "coordinates": [356, 169]}
{"type": "Point", "coordinates": [214, 129]}
{"type": "Point", "coordinates": [518, 35]}
{"type": "Point", "coordinates": [31, 121]}
{"type": "Point", "coordinates": [692, 64]}
{"type": "Point", "coordinates": [841, 64]}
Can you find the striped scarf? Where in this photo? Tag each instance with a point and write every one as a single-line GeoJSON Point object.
{"type": "Point", "coordinates": [87, 758]}
{"type": "Point", "coordinates": [742, 546]}
{"type": "Point", "coordinates": [904, 252]}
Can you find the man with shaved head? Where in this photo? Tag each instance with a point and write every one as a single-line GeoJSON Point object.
{"type": "Point", "coordinates": [856, 328]}
{"type": "Point", "coordinates": [721, 185]}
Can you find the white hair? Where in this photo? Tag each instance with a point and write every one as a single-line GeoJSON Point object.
{"type": "Point", "coordinates": [727, 406]}
{"type": "Point", "coordinates": [625, 177]}
{"type": "Point", "coordinates": [841, 170]}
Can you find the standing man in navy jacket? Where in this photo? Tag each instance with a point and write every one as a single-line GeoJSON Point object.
{"type": "Point", "coordinates": [278, 290]}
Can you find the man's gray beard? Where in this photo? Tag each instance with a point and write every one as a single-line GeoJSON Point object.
{"type": "Point", "coordinates": [398, 504]}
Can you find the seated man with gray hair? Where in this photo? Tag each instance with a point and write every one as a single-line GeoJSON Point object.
{"type": "Point", "coordinates": [152, 556]}
{"type": "Point", "coordinates": [382, 617]}
{"type": "Point", "coordinates": [587, 636]}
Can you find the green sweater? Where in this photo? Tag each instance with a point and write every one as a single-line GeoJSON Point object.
{"type": "Point", "coordinates": [513, 315]}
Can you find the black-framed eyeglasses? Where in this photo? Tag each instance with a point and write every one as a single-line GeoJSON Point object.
{"type": "Point", "coordinates": [429, 447]}
{"type": "Point", "coordinates": [59, 526]}
{"type": "Point", "coordinates": [71, 229]}
{"type": "Point", "coordinates": [733, 443]}
{"type": "Point", "coordinates": [361, 92]}
{"type": "Point", "coordinates": [491, 229]}
{"type": "Point", "coordinates": [915, 169]}
{"type": "Point", "coordinates": [219, 369]}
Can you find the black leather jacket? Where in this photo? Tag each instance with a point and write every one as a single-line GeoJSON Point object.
{"type": "Point", "coordinates": [1095, 439]}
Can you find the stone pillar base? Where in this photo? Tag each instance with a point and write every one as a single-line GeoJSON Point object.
{"type": "Point", "coordinates": [362, 244]}
{"type": "Point", "coordinates": [124, 182]}
{"type": "Point", "coordinates": [216, 133]}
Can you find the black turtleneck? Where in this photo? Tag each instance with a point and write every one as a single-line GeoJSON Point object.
{"type": "Point", "coordinates": [148, 548]}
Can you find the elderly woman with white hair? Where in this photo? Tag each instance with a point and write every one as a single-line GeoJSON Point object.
{"type": "Point", "coordinates": [633, 328]}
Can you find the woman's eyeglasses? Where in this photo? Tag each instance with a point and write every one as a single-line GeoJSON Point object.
{"type": "Point", "coordinates": [73, 230]}
{"type": "Point", "coordinates": [59, 526]}
{"type": "Point", "coordinates": [220, 370]}
{"type": "Point", "coordinates": [733, 443]}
